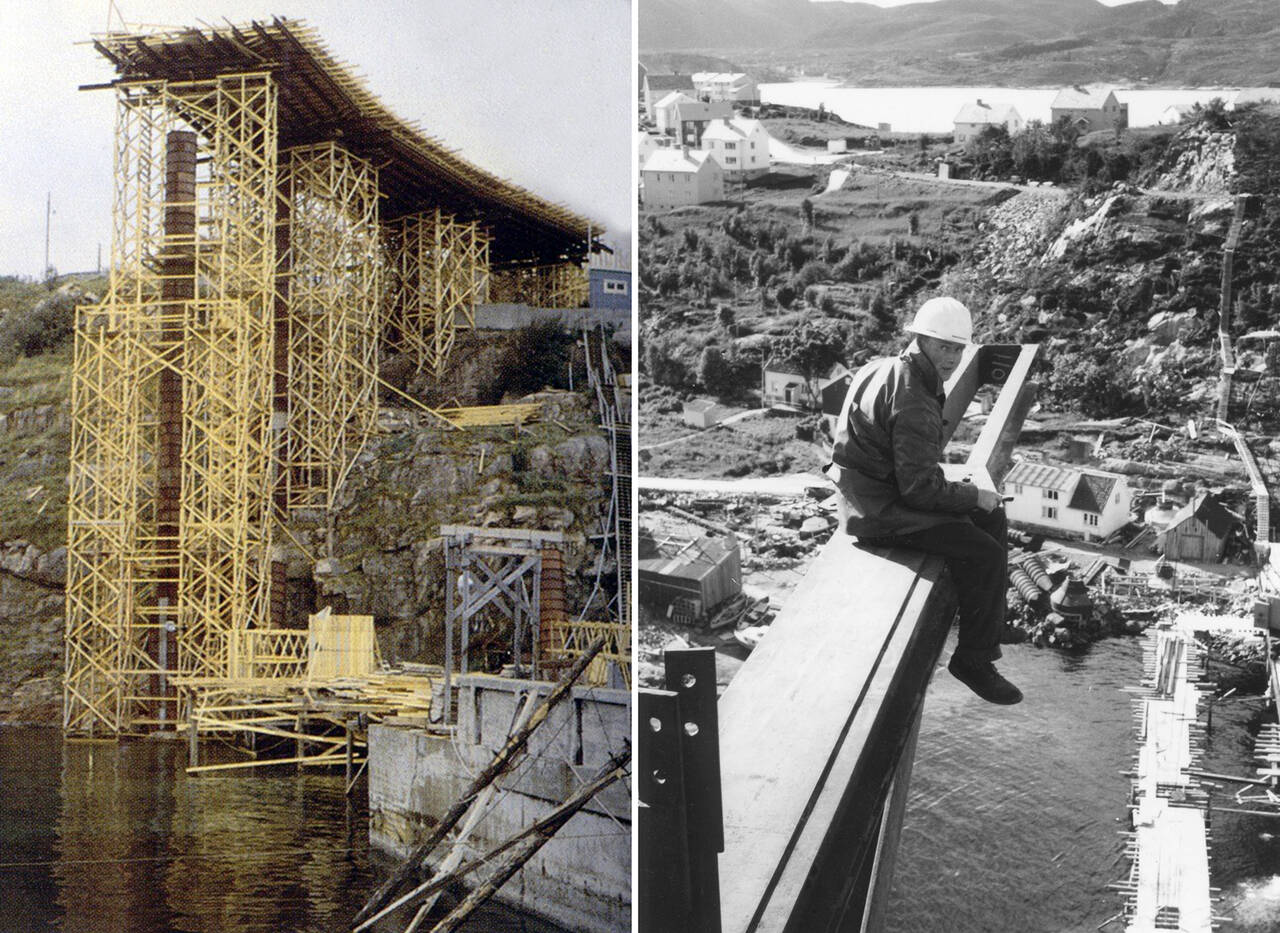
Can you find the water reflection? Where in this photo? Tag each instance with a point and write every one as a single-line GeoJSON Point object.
{"type": "Point", "coordinates": [106, 837]}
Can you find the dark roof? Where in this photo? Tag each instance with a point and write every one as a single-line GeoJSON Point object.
{"type": "Point", "coordinates": [685, 558]}
{"type": "Point", "coordinates": [670, 82]}
{"type": "Point", "coordinates": [320, 99]}
{"type": "Point", "coordinates": [1213, 514]}
{"type": "Point", "coordinates": [1092, 492]}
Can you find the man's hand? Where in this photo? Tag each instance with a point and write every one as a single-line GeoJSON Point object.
{"type": "Point", "coordinates": [988, 501]}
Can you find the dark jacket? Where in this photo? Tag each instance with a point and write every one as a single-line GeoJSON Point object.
{"type": "Point", "coordinates": [888, 446]}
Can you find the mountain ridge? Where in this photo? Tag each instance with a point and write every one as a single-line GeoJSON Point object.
{"type": "Point", "coordinates": [1022, 41]}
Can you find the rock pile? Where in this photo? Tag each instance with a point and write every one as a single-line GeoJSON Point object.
{"type": "Point", "coordinates": [1014, 233]}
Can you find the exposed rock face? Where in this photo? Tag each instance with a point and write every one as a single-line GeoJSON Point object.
{"type": "Point", "coordinates": [388, 558]}
{"type": "Point", "coordinates": [31, 607]}
{"type": "Point", "coordinates": [1206, 164]}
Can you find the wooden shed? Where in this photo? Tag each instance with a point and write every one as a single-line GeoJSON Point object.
{"type": "Point", "coordinates": [1200, 530]}
{"type": "Point", "coordinates": [699, 572]}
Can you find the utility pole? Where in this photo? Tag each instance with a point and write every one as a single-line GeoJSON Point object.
{"type": "Point", "coordinates": [48, 211]}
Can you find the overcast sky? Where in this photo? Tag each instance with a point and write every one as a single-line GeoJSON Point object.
{"type": "Point", "coordinates": [539, 93]}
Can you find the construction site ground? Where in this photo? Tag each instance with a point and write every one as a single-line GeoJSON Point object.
{"type": "Point", "coordinates": [775, 557]}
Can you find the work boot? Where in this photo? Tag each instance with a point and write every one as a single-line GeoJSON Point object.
{"type": "Point", "coordinates": [983, 679]}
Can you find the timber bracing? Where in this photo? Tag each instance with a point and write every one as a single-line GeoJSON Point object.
{"type": "Point", "coordinates": [184, 330]}
{"type": "Point", "coordinates": [228, 379]}
{"type": "Point", "coordinates": [331, 229]}
{"type": "Point", "coordinates": [439, 272]}
{"type": "Point", "coordinates": [552, 285]}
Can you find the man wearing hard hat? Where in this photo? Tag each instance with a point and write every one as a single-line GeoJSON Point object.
{"type": "Point", "coordinates": [885, 462]}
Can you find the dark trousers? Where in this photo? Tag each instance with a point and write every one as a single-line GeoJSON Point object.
{"type": "Point", "coordinates": [977, 558]}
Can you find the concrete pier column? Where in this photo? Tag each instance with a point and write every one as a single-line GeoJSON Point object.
{"type": "Point", "coordinates": [176, 288]}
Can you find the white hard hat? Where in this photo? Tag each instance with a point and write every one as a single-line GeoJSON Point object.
{"type": "Point", "coordinates": [944, 318]}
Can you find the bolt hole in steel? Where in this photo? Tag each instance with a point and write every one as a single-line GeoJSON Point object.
{"type": "Point", "coordinates": [688, 680]}
{"type": "Point", "coordinates": [691, 728]}
{"type": "Point", "coordinates": [659, 777]}
{"type": "Point", "coordinates": [655, 723]}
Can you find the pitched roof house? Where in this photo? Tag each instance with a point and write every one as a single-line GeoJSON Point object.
{"type": "Point", "coordinates": [1067, 500]}
{"type": "Point", "coordinates": [675, 177]}
{"type": "Point", "coordinates": [978, 116]}
{"type": "Point", "coordinates": [1090, 108]}
{"type": "Point", "coordinates": [740, 145]}
{"type": "Point", "coordinates": [1200, 530]}
{"type": "Point", "coordinates": [657, 87]}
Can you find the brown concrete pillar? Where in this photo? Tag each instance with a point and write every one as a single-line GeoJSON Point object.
{"type": "Point", "coordinates": [280, 394]}
{"type": "Point", "coordinates": [177, 286]}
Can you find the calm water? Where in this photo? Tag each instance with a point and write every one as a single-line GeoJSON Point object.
{"type": "Point", "coordinates": [933, 109]}
{"type": "Point", "coordinates": [116, 838]}
{"type": "Point", "coordinates": [1015, 814]}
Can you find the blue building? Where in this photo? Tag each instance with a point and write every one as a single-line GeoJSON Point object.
{"type": "Point", "coordinates": [610, 288]}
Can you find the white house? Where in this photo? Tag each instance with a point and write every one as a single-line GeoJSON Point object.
{"type": "Point", "coordinates": [646, 145]}
{"type": "Point", "coordinates": [722, 85]}
{"type": "Point", "coordinates": [1067, 500]}
{"type": "Point", "coordinates": [1256, 95]}
{"type": "Point", "coordinates": [1090, 108]}
{"type": "Point", "coordinates": [693, 116]}
{"type": "Point", "coordinates": [657, 87]}
{"type": "Point", "coordinates": [785, 385]}
{"type": "Point", "coordinates": [704, 413]}
{"type": "Point", "coordinates": [740, 145]}
{"type": "Point", "coordinates": [978, 116]}
{"type": "Point", "coordinates": [675, 177]}
{"type": "Point", "coordinates": [664, 112]}
{"type": "Point", "coordinates": [1175, 113]}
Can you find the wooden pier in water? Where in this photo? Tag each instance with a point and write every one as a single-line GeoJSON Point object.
{"type": "Point", "coordinates": [1168, 848]}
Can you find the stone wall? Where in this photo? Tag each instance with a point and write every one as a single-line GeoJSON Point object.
{"type": "Point", "coordinates": [581, 879]}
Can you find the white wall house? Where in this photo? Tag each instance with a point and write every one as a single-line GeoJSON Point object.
{"type": "Point", "coordinates": [676, 177]}
{"type": "Point", "coordinates": [657, 87]}
{"type": "Point", "coordinates": [1090, 108]}
{"type": "Point", "coordinates": [741, 146]}
{"type": "Point", "coordinates": [978, 116]}
{"type": "Point", "coordinates": [1067, 500]}
{"type": "Point", "coordinates": [646, 145]}
{"type": "Point", "coordinates": [664, 112]}
{"type": "Point", "coordinates": [722, 85]}
{"type": "Point", "coordinates": [693, 116]}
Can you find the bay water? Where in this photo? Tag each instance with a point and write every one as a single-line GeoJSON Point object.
{"type": "Point", "coordinates": [117, 838]}
{"type": "Point", "coordinates": [933, 109]}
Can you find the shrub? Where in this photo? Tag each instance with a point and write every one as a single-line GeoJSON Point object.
{"type": "Point", "coordinates": [813, 272]}
{"type": "Point", "coordinates": [535, 357]}
{"type": "Point", "coordinates": [45, 325]}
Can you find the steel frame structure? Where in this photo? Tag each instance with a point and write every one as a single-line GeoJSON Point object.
{"type": "Point", "coordinates": [439, 269]}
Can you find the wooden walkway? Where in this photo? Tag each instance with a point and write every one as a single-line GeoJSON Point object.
{"type": "Point", "coordinates": [1168, 884]}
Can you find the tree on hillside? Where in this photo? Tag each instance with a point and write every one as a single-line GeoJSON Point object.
{"type": "Point", "coordinates": [991, 152]}
{"type": "Point", "coordinates": [806, 214]}
{"type": "Point", "coordinates": [714, 373]}
{"type": "Point", "coordinates": [812, 348]}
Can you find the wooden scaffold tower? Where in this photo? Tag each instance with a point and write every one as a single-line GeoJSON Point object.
{"type": "Point", "coordinates": [266, 206]}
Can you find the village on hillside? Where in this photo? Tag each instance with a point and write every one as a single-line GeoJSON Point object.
{"type": "Point", "coordinates": [781, 248]}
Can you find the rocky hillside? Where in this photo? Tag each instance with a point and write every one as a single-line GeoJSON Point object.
{"type": "Point", "coordinates": [411, 478]}
{"type": "Point", "coordinates": [1120, 281]}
